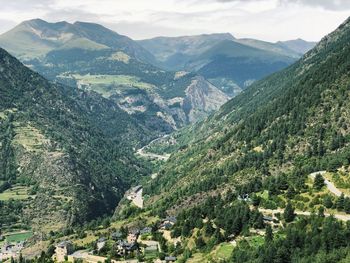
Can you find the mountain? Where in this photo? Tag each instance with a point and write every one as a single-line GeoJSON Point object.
{"type": "Point", "coordinates": [242, 64]}
{"type": "Point", "coordinates": [67, 152]}
{"type": "Point", "coordinates": [173, 53]}
{"type": "Point", "coordinates": [285, 126]}
{"type": "Point", "coordinates": [94, 58]}
{"type": "Point", "coordinates": [219, 58]}
{"type": "Point", "coordinates": [298, 45]}
{"type": "Point", "coordinates": [35, 38]}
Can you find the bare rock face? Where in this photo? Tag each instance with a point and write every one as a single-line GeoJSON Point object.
{"type": "Point", "coordinates": [201, 99]}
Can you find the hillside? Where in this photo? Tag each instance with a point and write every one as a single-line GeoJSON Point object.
{"type": "Point", "coordinates": [68, 152]}
{"type": "Point", "coordinates": [264, 152]}
{"type": "Point", "coordinates": [294, 122]}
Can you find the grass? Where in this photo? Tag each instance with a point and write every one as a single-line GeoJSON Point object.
{"type": "Point", "coordinates": [255, 241]}
{"type": "Point", "coordinates": [106, 84]}
{"type": "Point", "coordinates": [17, 237]}
{"type": "Point", "coordinates": [16, 193]}
{"type": "Point", "coordinates": [223, 251]}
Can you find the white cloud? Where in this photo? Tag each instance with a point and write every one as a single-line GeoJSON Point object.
{"type": "Point", "coordinates": [264, 19]}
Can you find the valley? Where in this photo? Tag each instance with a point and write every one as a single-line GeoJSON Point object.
{"type": "Point", "coordinates": [203, 148]}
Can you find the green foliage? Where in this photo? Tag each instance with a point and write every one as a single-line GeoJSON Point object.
{"type": "Point", "coordinates": [319, 182]}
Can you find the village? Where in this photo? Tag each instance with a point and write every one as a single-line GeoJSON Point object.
{"type": "Point", "coordinates": [126, 247]}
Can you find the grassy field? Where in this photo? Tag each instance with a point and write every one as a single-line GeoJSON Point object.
{"type": "Point", "coordinates": [16, 193]}
{"type": "Point", "coordinates": [223, 252]}
{"type": "Point", "coordinates": [29, 137]}
{"type": "Point", "coordinates": [106, 84]}
{"type": "Point", "coordinates": [255, 241]}
{"type": "Point", "coordinates": [17, 237]}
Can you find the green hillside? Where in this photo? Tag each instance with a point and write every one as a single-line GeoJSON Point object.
{"type": "Point", "coordinates": [66, 155]}
{"type": "Point", "coordinates": [267, 141]}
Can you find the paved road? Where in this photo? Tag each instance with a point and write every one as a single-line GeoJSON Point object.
{"type": "Point", "coordinates": [331, 187]}
{"type": "Point", "coordinates": [342, 217]}
{"type": "Point", "coordinates": [143, 153]}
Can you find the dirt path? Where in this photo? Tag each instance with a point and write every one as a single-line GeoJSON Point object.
{"type": "Point", "coordinates": [331, 187]}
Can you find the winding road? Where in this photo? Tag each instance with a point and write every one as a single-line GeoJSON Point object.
{"type": "Point", "coordinates": [331, 187]}
{"type": "Point", "coordinates": [145, 154]}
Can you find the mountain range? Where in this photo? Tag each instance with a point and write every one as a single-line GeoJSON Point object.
{"type": "Point", "coordinates": [116, 67]}
{"type": "Point", "coordinates": [229, 63]}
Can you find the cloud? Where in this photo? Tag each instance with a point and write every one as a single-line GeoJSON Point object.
{"type": "Point", "coordinates": [326, 4]}
{"type": "Point", "coordinates": [269, 20]}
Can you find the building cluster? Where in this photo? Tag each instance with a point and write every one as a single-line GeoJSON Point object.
{"type": "Point", "coordinates": [11, 250]}
{"type": "Point", "coordinates": [124, 245]}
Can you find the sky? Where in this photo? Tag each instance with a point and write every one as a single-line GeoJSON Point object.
{"type": "Point", "coordinates": [270, 20]}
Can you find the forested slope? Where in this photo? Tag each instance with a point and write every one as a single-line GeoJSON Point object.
{"type": "Point", "coordinates": [70, 150]}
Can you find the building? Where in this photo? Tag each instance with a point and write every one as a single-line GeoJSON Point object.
{"type": "Point", "coordinates": [170, 259]}
{"type": "Point", "coordinates": [125, 248]}
{"type": "Point", "coordinates": [62, 250]}
{"type": "Point", "coordinates": [133, 236]}
{"type": "Point", "coordinates": [146, 230]}
{"type": "Point", "coordinates": [101, 242]}
{"type": "Point", "coordinates": [116, 235]}
{"type": "Point", "coordinates": [168, 223]}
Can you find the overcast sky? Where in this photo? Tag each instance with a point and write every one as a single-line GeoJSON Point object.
{"type": "Point", "coordinates": [269, 20]}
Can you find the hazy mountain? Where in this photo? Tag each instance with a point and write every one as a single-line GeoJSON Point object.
{"type": "Point", "coordinates": [241, 64]}
{"type": "Point", "coordinates": [298, 45]}
{"type": "Point", "coordinates": [218, 57]}
{"type": "Point", "coordinates": [35, 38]}
{"type": "Point", "coordinates": [174, 52]}
{"type": "Point", "coordinates": [69, 151]}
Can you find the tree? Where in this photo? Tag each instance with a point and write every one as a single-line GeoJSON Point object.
{"type": "Point", "coordinates": [347, 205]}
{"type": "Point", "coordinates": [290, 192]}
{"type": "Point", "coordinates": [340, 202]}
{"type": "Point", "coordinates": [289, 214]}
{"type": "Point", "coordinates": [255, 200]}
{"type": "Point", "coordinates": [327, 201]}
{"type": "Point", "coordinates": [268, 234]}
{"type": "Point", "coordinates": [318, 182]}
{"type": "Point", "coordinates": [200, 242]}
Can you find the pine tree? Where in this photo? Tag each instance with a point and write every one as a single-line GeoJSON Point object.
{"type": "Point", "coordinates": [340, 202]}
{"type": "Point", "coordinates": [319, 182]}
{"type": "Point", "coordinates": [268, 234]}
{"type": "Point", "coordinates": [289, 214]}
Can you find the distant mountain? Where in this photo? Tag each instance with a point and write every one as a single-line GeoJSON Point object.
{"type": "Point", "coordinates": [242, 64]}
{"type": "Point", "coordinates": [173, 53]}
{"type": "Point", "coordinates": [69, 151]}
{"type": "Point", "coordinates": [219, 58]}
{"type": "Point", "coordinates": [298, 45]}
{"type": "Point", "coordinates": [35, 38]}
{"type": "Point", "coordinates": [92, 57]}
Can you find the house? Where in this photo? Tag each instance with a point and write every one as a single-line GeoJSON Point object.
{"type": "Point", "coordinates": [124, 248]}
{"type": "Point", "coordinates": [168, 223]}
{"type": "Point", "coordinates": [63, 249]}
{"type": "Point", "coordinates": [170, 259]}
{"type": "Point", "coordinates": [133, 236]}
{"type": "Point", "coordinates": [146, 230]}
{"type": "Point", "coordinates": [268, 219]}
{"type": "Point", "coordinates": [101, 242]}
{"type": "Point", "coordinates": [116, 235]}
